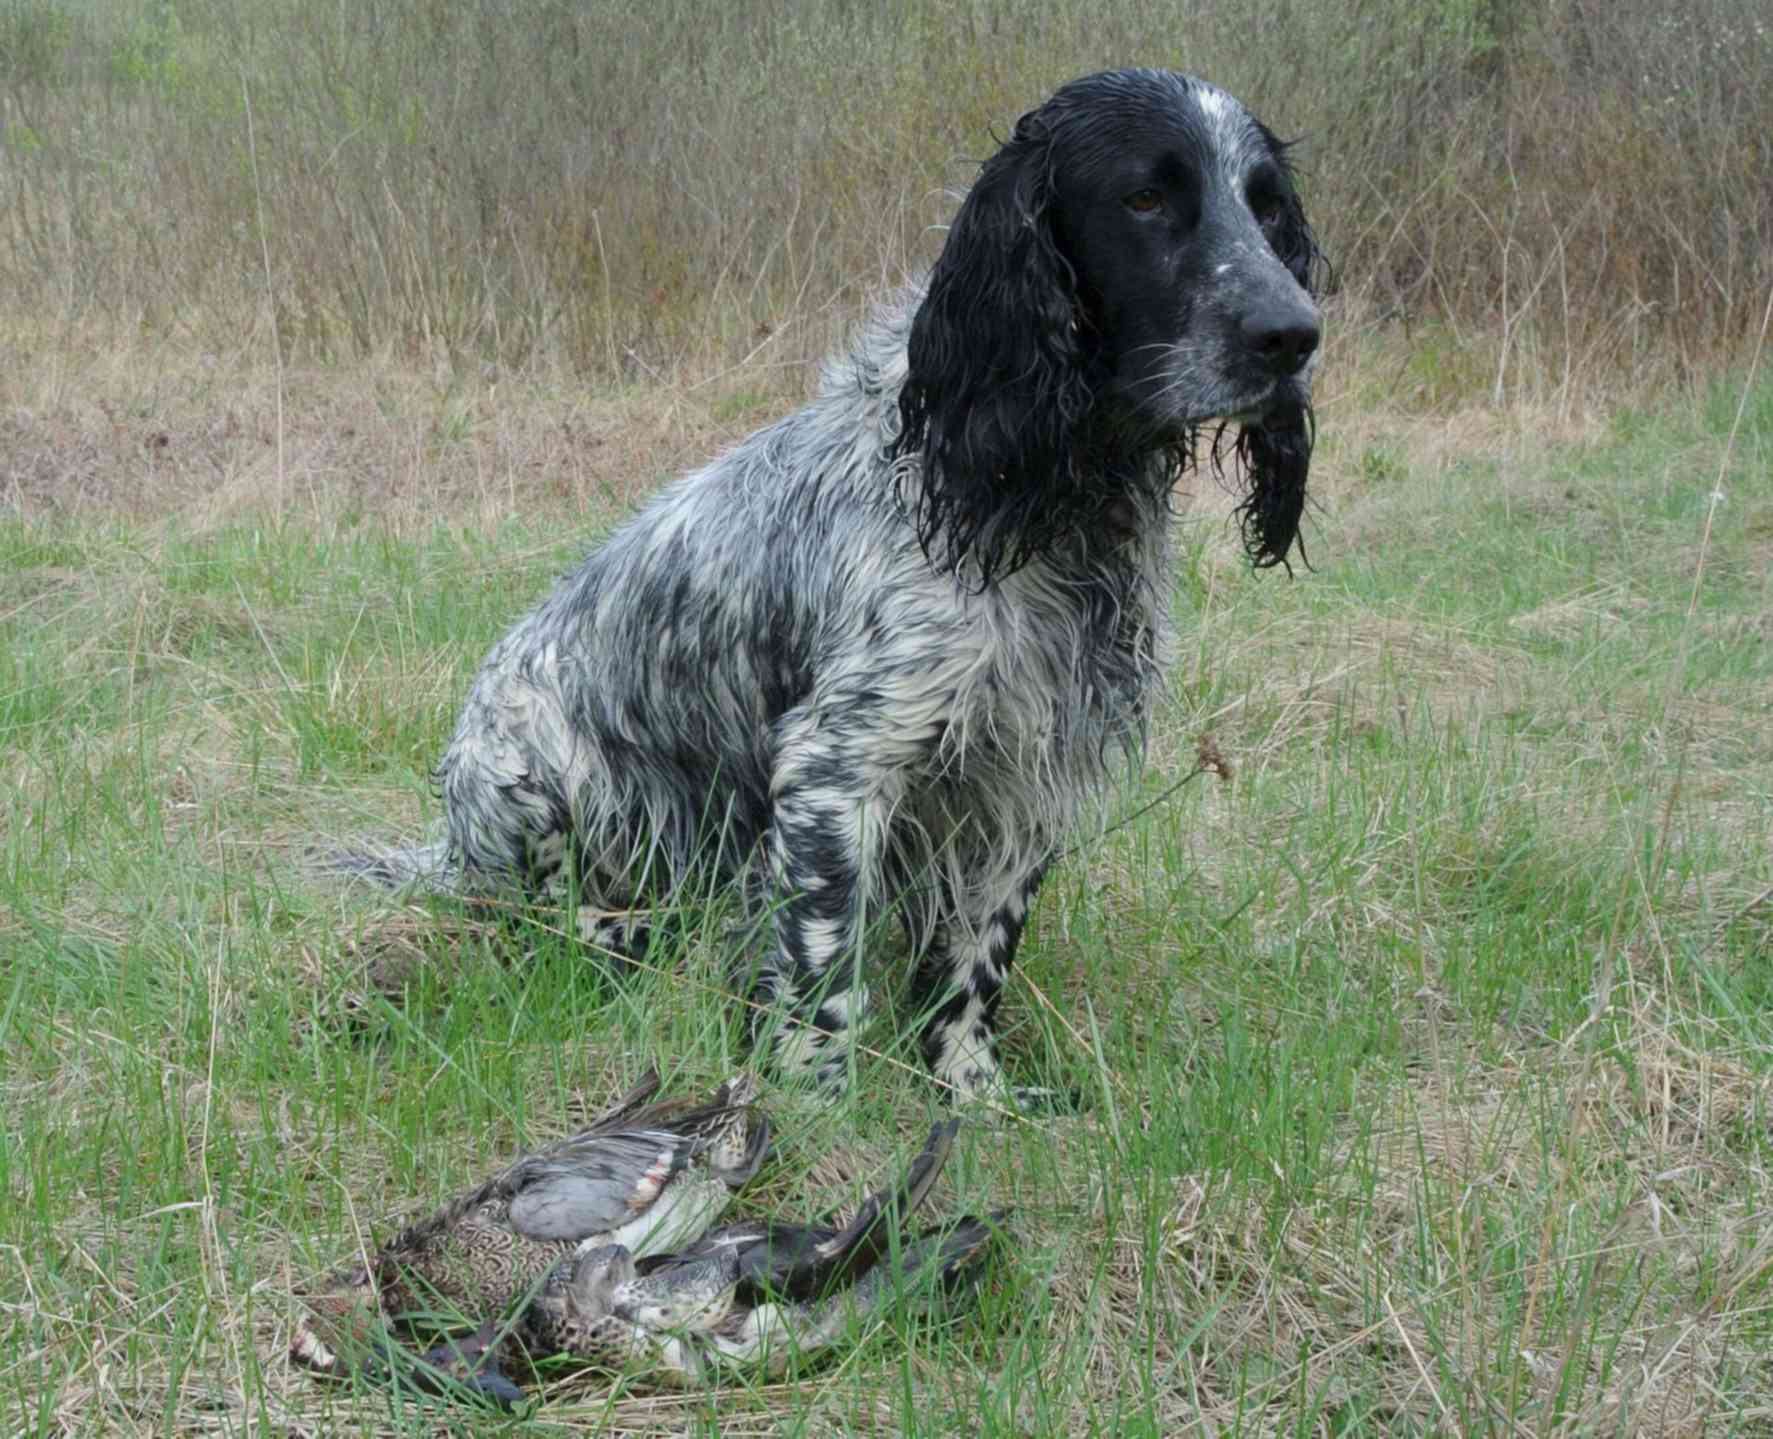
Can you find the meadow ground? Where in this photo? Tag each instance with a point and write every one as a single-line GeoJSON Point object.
{"type": "Point", "coordinates": [1428, 1052]}
{"type": "Point", "coordinates": [1428, 1057]}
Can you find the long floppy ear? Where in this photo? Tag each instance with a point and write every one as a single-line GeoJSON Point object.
{"type": "Point", "coordinates": [1276, 455]}
{"type": "Point", "coordinates": [996, 385]}
{"type": "Point", "coordinates": [1292, 239]}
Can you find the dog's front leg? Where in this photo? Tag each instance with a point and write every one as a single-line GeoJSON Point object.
{"type": "Point", "coordinates": [840, 770]}
{"type": "Point", "coordinates": [960, 977]}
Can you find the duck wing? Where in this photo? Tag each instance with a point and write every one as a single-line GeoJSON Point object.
{"type": "Point", "coordinates": [596, 1183]}
{"type": "Point", "coordinates": [770, 1336]}
{"type": "Point", "coordinates": [603, 1179]}
{"type": "Point", "coordinates": [771, 1260]}
{"type": "Point", "coordinates": [815, 1260]}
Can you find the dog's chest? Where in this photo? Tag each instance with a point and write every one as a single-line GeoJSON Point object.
{"type": "Point", "coordinates": [1058, 673]}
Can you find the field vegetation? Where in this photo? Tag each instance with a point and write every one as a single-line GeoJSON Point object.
{"type": "Point", "coordinates": [1428, 1050]}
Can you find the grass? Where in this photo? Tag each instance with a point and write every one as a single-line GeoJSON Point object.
{"type": "Point", "coordinates": [1429, 1054]}
{"type": "Point", "coordinates": [1427, 1051]}
{"type": "Point", "coordinates": [1572, 192]}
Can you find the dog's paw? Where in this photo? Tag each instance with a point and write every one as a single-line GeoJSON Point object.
{"type": "Point", "coordinates": [620, 939]}
{"type": "Point", "coordinates": [1037, 1100]}
{"type": "Point", "coordinates": [1029, 1100]}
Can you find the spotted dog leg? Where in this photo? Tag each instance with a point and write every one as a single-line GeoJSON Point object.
{"type": "Point", "coordinates": [960, 977]}
{"type": "Point", "coordinates": [604, 916]}
{"type": "Point", "coordinates": [621, 936]}
{"type": "Point", "coordinates": [840, 769]}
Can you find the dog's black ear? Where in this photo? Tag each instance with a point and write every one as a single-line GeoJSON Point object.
{"type": "Point", "coordinates": [1298, 248]}
{"type": "Point", "coordinates": [996, 383]}
{"type": "Point", "coordinates": [1292, 238]}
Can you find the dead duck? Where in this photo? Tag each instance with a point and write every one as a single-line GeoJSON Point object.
{"type": "Point", "coordinates": [755, 1293]}
{"type": "Point", "coordinates": [650, 1177]}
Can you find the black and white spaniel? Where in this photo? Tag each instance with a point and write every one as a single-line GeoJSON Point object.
{"type": "Point", "coordinates": [880, 655]}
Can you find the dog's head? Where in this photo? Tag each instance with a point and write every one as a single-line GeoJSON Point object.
{"type": "Point", "coordinates": [1131, 266]}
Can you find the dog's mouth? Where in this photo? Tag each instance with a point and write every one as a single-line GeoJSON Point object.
{"type": "Point", "coordinates": [1275, 404]}
{"type": "Point", "coordinates": [1235, 404]}
{"type": "Point", "coordinates": [1279, 405]}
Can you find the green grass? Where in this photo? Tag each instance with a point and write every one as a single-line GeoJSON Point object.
{"type": "Point", "coordinates": [1428, 1056]}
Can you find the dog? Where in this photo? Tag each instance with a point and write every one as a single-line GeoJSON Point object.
{"type": "Point", "coordinates": [880, 655]}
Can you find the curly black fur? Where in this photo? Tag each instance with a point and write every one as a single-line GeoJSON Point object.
{"type": "Point", "coordinates": [1012, 435]}
{"type": "Point", "coordinates": [999, 387]}
{"type": "Point", "coordinates": [1274, 460]}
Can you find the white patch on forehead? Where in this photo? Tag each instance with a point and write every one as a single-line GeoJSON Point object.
{"type": "Point", "coordinates": [1237, 147]}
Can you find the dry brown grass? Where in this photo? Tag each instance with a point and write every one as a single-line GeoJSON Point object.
{"type": "Point", "coordinates": [185, 436]}
{"type": "Point", "coordinates": [1537, 199]}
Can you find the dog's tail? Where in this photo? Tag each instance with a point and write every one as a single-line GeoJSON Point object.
{"type": "Point", "coordinates": [428, 868]}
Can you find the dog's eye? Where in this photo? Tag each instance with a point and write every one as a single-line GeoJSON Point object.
{"type": "Point", "coordinates": [1268, 210]}
{"type": "Point", "coordinates": [1144, 202]}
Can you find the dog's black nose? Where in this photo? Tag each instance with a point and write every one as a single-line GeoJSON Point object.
{"type": "Point", "coordinates": [1281, 336]}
